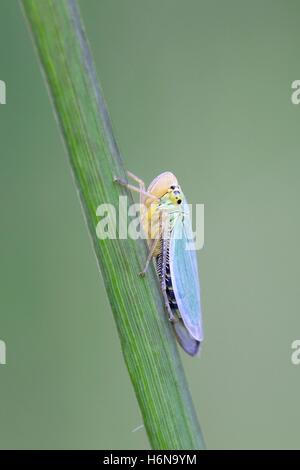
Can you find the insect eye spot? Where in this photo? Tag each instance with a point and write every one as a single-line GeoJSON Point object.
{"type": "Point", "coordinates": [172, 187]}
{"type": "Point", "coordinates": [179, 201]}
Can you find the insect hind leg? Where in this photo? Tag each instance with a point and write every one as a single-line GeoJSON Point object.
{"type": "Point", "coordinates": [167, 304]}
{"type": "Point", "coordinates": [163, 279]}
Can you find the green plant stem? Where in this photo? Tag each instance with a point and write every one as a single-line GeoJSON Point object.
{"type": "Point", "coordinates": [146, 338]}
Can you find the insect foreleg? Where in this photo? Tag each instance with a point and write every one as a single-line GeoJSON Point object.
{"type": "Point", "coordinates": [138, 180]}
{"type": "Point", "coordinates": [127, 185]}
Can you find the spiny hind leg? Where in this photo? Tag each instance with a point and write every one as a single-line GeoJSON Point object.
{"type": "Point", "coordinates": [166, 300]}
{"type": "Point", "coordinates": [164, 288]}
{"type": "Point", "coordinates": [163, 278]}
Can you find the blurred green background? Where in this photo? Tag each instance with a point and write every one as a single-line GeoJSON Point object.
{"type": "Point", "coordinates": [202, 88]}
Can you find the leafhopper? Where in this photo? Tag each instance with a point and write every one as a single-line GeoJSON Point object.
{"type": "Point", "coordinates": [166, 221]}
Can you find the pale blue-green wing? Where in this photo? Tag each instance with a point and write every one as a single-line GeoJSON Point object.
{"type": "Point", "coordinates": [184, 275]}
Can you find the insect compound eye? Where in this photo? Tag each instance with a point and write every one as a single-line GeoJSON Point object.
{"type": "Point", "coordinates": [179, 201]}
{"type": "Point", "coordinates": [172, 187]}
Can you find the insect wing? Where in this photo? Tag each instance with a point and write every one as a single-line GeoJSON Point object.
{"type": "Point", "coordinates": [184, 275]}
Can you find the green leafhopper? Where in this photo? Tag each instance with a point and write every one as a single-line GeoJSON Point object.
{"type": "Point", "coordinates": [166, 221]}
